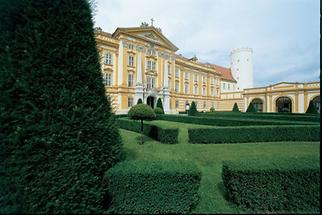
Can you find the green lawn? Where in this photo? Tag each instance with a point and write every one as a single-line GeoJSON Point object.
{"type": "Point", "coordinates": [209, 158]}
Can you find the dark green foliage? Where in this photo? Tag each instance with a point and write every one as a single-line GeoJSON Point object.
{"type": "Point", "coordinates": [251, 108]}
{"type": "Point", "coordinates": [153, 187]}
{"type": "Point", "coordinates": [158, 110]}
{"type": "Point", "coordinates": [159, 104]}
{"type": "Point", "coordinates": [277, 185]}
{"type": "Point", "coordinates": [311, 108]}
{"type": "Point", "coordinates": [235, 108]}
{"type": "Point", "coordinates": [227, 121]}
{"type": "Point", "coordinates": [255, 134]}
{"type": "Point", "coordinates": [264, 116]}
{"type": "Point", "coordinates": [141, 112]}
{"type": "Point", "coordinates": [164, 135]}
{"type": "Point", "coordinates": [212, 109]}
{"type": "Point", "coordinates": [193, 109]}
{"type": "Point", "coordinates": [58, 135]}
{"type": "Point", "coordinates": [140, 101]}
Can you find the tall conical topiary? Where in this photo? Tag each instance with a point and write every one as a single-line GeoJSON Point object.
{"type": "Point", "coordinates": [58, 135]}
{"type": "Point", "coordinates": [235, 108]}
{"type": "Point", "coordinates": [311, 108]}
{"type": "Point", "coordinates": [159, 105]}
{"type": "Point", "coordinates": [251, 108]}
{"type": "Point", "coordinates": [193, 109]}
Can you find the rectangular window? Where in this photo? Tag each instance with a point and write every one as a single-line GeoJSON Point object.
{"type": "Point", "coordinates": [177, 104]}
{"type": "Point", "coordinates": [203, 80]}
{"type": "Point", "coordinates": [195, 78]}
{"type": "Point", "coordinates": [169, 83]}
{"type": "Point", "coordinates": [131, 46]}
{"type": "Point", "coordinates": [186, 88]}
{"type": "Point", "coordinates": [177, 72]}
{"type": "Point", "coordinates": [212, 91]}
{"type": "Point", "coordinates": [186, 76]}
{"type": "Point", "coordinates": [212, 81]}
{"type": "Point", "coordinates": [224, 85]}
{"type": "Point", "coordinates": [177, 87]}
{"type": "Point", "coordinates": [131, 60]}
{"type": "Point", "coordinates": [203, 91]}
{"type": "Point", "coordinates": [169, 69]}
{"type": "Point", "coordinates": [150, 83]}
{"type": "Point", "coordinates": [196, 89]}
{"type": "Point", "coordinates": [130, 101]}
{"type": "Point", "coordinates": [228, 86]}
{"type": "Point", "coordinates": [107, 79]}
{"type": "Point", "coordinates": [130, 80]}
{"type": "Point", "coordinates": [151, 65]}
{"type": "Point", "coordinates": [108, 58]}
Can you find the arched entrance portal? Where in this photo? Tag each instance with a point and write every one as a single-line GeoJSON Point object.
{"type": "Point", "coordinates": [150, 101]}
{"type": "Point", "coordinates": [258, 105]}
{"type": "Point", "coordinates": [284, 104]}
{"type": "Point", "coordinates": [316, 103]}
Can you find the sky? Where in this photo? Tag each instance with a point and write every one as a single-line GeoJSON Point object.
{"type": "Point", "coordinates": [284, 34]}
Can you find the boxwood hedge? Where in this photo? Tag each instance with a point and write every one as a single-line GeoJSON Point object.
{"type": "Point", "coordinates": [264, 116]}
{"type": "Point", "coordinates": [227, 121]}
{"type": "Point", "coordinates": [153, 187]}
{"type": "Point", "coordinates": [164, 135]}
{"type": "Point", "coordinates": [255, 134]}
{"type": "Point", "coordinates": [279, 185]}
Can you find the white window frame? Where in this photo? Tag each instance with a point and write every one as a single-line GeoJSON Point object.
{"type": "Point", "coordinates": [129, 101]}
{"type": "Point", "coordinates": [186, 88]}
{"type": "Point", "coordinates": [176, 87]}
{"type": "Point", "coordinates": [130, 80]}
{"type": "Point", "coordinates": [107, 79]}
{"type": "Point", "coordinates": [108, 58]}
{"type": "Point", "coordinates": [177, 71]}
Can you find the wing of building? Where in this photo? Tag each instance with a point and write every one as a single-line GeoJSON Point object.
{"type": "Point", "coordinates": [141, 63]}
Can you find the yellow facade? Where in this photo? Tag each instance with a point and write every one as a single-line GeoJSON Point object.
{"type": "Point", "coordinates": [141, 63]}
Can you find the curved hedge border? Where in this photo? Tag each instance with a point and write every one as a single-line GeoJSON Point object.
{"type": "Point", "coordinates": [153, 187]}
{"type": "Point", "coordinates": [254, 134]}
{"type": "Point", "coordinates": [227, 121]}
{"type": "Point", "coordinates": [164, 135]}
{"type": "Point", "coordinates": [279, 185]}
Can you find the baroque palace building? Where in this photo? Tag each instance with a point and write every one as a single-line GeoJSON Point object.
{"type": "Point", "coordinates": [141, 63]}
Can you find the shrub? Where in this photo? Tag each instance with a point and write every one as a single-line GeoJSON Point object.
{"type": "Point", "coordinates": [158, 110]}
{"type": "Point", "coordinates": [164, 135]}
{"type": "Point", "coordinates": [255, 134]}
{"type": "Point", "coordinates": [140, 101]}
{"type": "Point", "coordinates": [251, 108]}
{"type": "Point", "coordinates": [153, 187]}
{"type": "Point", "coordinates": [58, 135]}
{"type": "Point", "coordinates": [277, 185]}
{"type": "Point", "coordinates": [159, 104]}
{"type": "Point", "coordinates": [193, 109]}
{"type": "Point", "coordinates": [311, 108]}
{"type": "Point", "coordinates": [235, 108]}
{"type": "Point", "coordinates": [225, 121]}
{"type": "Point", "coordinates": [212, 109]}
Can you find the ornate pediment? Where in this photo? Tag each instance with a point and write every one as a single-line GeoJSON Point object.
{"type": "Point", "coordinates": [148, 34]}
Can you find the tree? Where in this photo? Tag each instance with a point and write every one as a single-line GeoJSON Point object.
{"type": "Point", "coordinates": [58, 134]}
{"type": "Point", "coordinates": [193, 109]}
{"type": "Point", "coordinates": [159, 104]}
{"type": "Point", "coordinates": [140, 101]}
{"type": "Point", "coordinates": [141, 112]}
{"type": "Point", "coordinates": [158, 110]}
{"type": "Point", "coordinates": [235, 108]}
{"type": "Point", "coordinates": [251, 108]}
{"type": "Point", "coordinates": [311, 108]}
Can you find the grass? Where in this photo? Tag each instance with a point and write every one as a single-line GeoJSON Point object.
{"type": "Point", "coordinates": [209, 159]}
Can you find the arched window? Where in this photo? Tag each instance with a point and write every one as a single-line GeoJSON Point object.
{"type": "Point", "coordinates": [258, 105]}
{"type": "Point", "coordinates": [284, 104]}
{"type": "Point", "coordinates": [316, 103]}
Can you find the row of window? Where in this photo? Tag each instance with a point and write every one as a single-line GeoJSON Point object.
{"type": "Point", "coordinates": [204, 104]}
{"type": "Point", "coordinates": [228, 86]}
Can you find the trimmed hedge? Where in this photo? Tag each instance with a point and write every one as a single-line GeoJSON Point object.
{"type": "Point", "coordinates": [153, 187]}
{"type": "Point", "coordinates": [254, 134]}
{"type": "Point", "coordinates": [264, 116]}
{"type": "Point", "coordinates": [164, 135]}
{"type": "Point", "coordinates": [279, 185]}
{"type": "Point", "coordinates": [226, 121]}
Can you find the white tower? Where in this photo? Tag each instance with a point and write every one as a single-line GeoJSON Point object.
{"type": "Point", "coordinates": [242, 67]}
